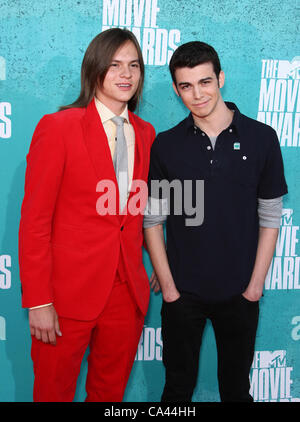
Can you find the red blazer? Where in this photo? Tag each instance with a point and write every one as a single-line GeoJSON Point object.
{"type": "Point", "coordinates": [68, 253]}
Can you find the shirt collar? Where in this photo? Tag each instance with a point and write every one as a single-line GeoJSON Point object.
{"type": "Point", "coordinates": [106, 114]}
{"type": "Point", "coordinates": [236, 121]}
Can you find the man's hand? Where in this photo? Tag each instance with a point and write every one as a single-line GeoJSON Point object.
{"type": "Point", "coordinates": [253, 293]}
{"type": "Point", "coordinates": [171, 295]}
{"type": "Point", "coordinates": [154, 283]}
{"type": "Point", "coordinates": [43, 323]}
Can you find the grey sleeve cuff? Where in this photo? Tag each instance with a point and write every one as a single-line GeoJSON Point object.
{"type": "Point", "coordinates": [269, 212]}
{"type": "Point", "coordinates": [155, 213]}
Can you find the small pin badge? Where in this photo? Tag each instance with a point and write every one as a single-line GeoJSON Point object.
{"type": "Point", "coordinates": [236, 146]}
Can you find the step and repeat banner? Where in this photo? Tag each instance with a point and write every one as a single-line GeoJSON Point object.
{"type": "Point", "coordinates": [41, 49]}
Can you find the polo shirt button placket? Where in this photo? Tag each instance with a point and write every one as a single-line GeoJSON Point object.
{"type": "Point", "coordinates": [210, 151]}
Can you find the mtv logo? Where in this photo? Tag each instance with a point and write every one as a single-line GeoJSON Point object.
{"type": "Point", "coordinates": [287, 217]}
{"type": "Point", "coordinates": [288, 69]}
{"type": "Point", "coordinates": [276, 359]}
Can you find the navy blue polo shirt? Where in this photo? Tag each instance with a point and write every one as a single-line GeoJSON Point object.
{"type": "Point", "coordinates": [215, 260]}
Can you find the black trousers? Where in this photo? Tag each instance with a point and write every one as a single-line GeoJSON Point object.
{"type": "Point", "coordinates": [234, 323]}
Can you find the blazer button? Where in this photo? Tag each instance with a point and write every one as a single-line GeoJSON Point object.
{"type": "Point", "coordinates": [122, 227]}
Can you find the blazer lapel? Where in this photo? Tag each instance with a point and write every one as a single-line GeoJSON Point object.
{"type": "Point", "coordinates": [139, 154]}
{"type": "Point", "coordinates": [139, 151]}
{"type": "Point", "coordinates": [96, 143]}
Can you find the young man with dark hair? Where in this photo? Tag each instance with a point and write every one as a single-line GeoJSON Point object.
{"type": "Point", "coordinates": [81, 268]}
{"type": "Point", "coordinates": [214, 269]}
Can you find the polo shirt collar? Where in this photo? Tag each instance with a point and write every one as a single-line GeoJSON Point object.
{"type": "Point", "coordinates": [236, 121]}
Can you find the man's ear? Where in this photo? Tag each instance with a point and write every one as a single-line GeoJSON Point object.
{"type": "Point", "coordinates": [221, 79]}
{"type": "Point", "coordinates": [175, 89]}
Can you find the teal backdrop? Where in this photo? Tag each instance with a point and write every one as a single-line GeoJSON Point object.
{"type": "Point", "coordinates": [42, 44]}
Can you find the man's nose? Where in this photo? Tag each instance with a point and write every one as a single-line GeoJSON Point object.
{"type": "Point", "coordinates": [198, 92]}
{"type": "Point", "coordinates": [126, 71]}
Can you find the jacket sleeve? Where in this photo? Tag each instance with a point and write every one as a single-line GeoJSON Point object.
{"type": "Point", "coordinates": [45, 166]}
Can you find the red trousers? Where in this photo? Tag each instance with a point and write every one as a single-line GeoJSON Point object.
{"type": "Point", "coordinates": [112, 338]}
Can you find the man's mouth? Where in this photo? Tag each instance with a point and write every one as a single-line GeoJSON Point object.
{"type": "Point", "coordinates": [202, 104]}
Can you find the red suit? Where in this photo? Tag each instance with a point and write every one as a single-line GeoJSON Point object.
{"type": "Point", "coordinates": [69, 254]}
